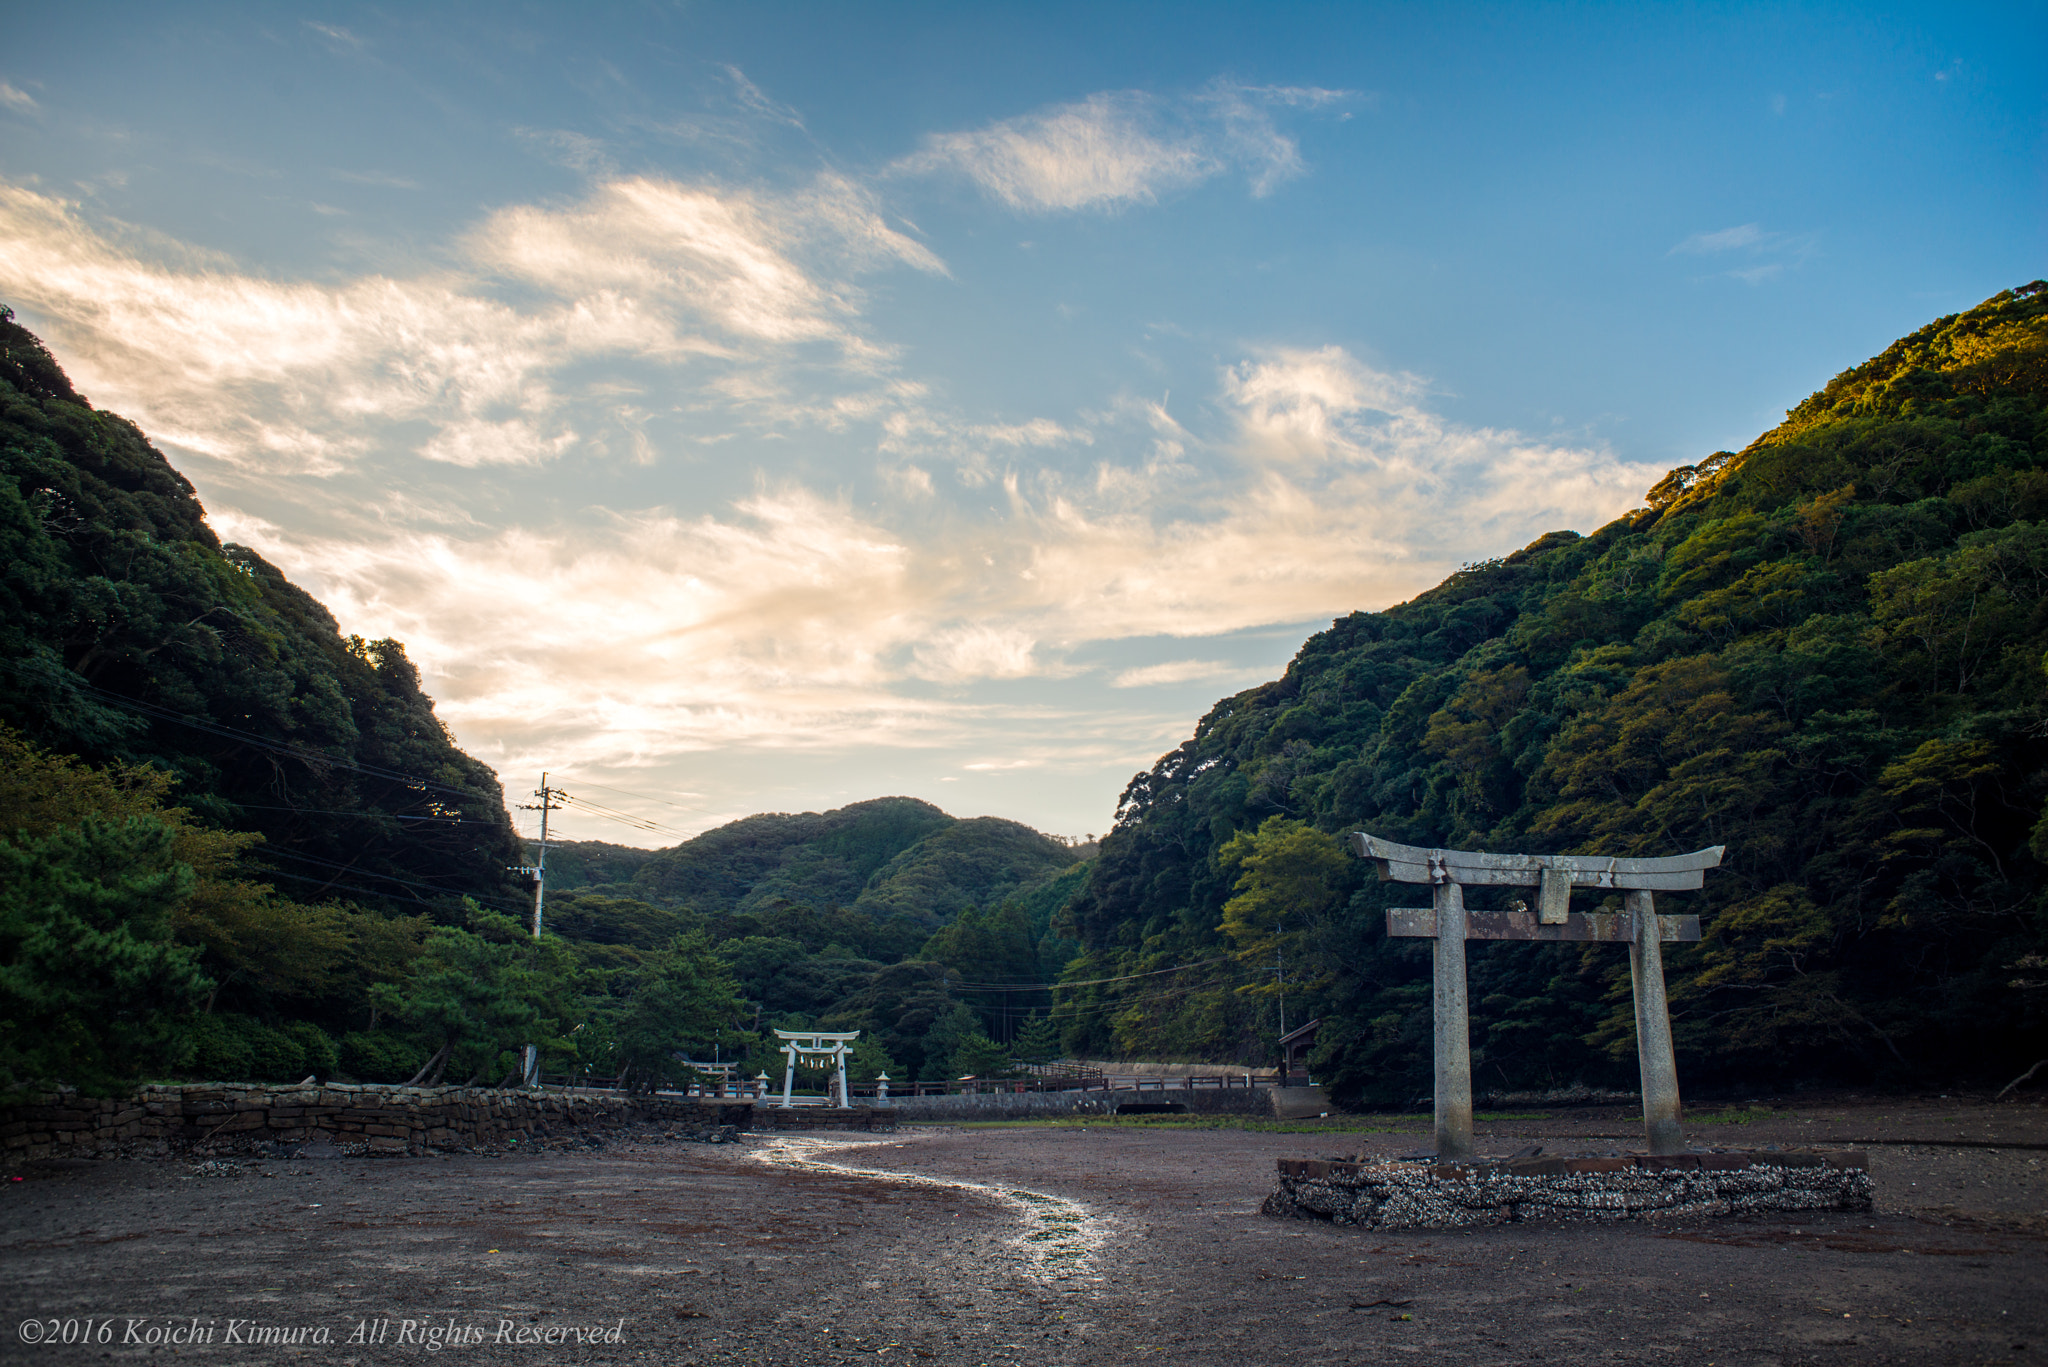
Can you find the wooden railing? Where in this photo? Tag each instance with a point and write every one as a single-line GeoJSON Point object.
{"type": "Point", "coordinates": [868, 1093]}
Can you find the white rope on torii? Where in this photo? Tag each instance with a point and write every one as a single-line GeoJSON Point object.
{"type": "Point", "coordinates": [814, 1049]}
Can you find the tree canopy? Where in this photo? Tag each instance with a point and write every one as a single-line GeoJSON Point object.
{"type": "Point", "coordinates": [1825, 652]}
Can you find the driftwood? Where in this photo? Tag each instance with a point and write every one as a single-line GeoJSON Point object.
{"type": "Point", "coordinates": [432, 1065]}
{"type": "Point", "coordinates": [2021, 1078]}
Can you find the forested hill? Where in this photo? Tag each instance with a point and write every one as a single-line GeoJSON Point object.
{"type": "Point", "coordinates": [1825, 652]}
{"type": "Point", "coordinates": [129, 633]}
{"type": "Point", "coordinates": [886, 858]}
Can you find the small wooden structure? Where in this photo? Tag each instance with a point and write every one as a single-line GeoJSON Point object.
{"type": "Point", "coordinates": [1449, 925]}
{"type": "Point", "coordinates": [1294, 1047]}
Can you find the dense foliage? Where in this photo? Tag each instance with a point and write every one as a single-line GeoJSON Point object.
{"type": "Point", "coordinates": [129, 633]}
{"type": "Point", "coordinates": [1824, 652]}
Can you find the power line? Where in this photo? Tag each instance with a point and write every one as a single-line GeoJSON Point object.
{"type": "Point", "coordinates": [361, 872]}
{"type": "Point", "coordinates": [344, 887]}
{"type": "Point", "coordinates": [364, 812]}
{"type": "Point", "coordinates": [624, 818]}
{"type": "Point", "coordinates": [318, 757]}
{"type": "Point", "coordinates": [1093, 982]}
{"type": "Point", "coordinates": [644, 797]}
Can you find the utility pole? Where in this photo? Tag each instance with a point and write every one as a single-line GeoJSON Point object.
{"type": "Point", "coordinates": [1280, 973]}
{"type": "Point", "coordinates": [550, 798]}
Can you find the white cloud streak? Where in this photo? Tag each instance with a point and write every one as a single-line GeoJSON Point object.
{"type": "Point", "coordinates": [1172, 672]}
{"type": "Point", "coordinates": [788, 618]}
{"type": "Point", "coordinates": [1116, 149]}
{"type": "Point", "coordinates": [294, 375]}
{"type": "Point", "coordinates": [1770, 254]}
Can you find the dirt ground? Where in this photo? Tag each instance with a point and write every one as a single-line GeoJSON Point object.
{"type": "Point", "coordinates": [1025, 1244]}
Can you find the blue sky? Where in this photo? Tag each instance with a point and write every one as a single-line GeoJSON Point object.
{"type": "Point", "coordinates": [763, 407]}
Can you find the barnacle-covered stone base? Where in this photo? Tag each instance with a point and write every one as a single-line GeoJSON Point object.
{"type": "Point", "coordinates": [1398, 1194]}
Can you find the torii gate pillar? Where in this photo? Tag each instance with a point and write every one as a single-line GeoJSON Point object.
{"type": "Point", "coordinates": [1451, 1019]}
{"type": "Point", "coordinates": [1654, 1058]}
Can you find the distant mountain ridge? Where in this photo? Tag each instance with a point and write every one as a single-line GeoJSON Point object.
{"type": "Point", "coordinates": [888, 856]}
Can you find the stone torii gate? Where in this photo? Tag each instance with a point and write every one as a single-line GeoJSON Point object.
{"type": "Point", "coordinates": [1449, 925]}
{"type": "Point", "coordinates": [814, 1047]}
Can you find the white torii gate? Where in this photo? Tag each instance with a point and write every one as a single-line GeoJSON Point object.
{"type": "Point", "coordinates": [814, 1048]}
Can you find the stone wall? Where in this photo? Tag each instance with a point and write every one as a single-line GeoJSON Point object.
{"type": "Point", "coordinates": [1031, 1105]}
{"type": "Point", "coordinates": [370, 1119]}
{"type": "Point", "coordinates": [1425, 1195]}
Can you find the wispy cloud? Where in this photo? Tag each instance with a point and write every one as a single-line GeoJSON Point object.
{"type": "Point", "coordinates": [1725, 240]}
{"type": "Point", "coordinates": [338, 38]}
{"type": "Point", "coordinates": [794, 619]}
{"type": "Point", "coordinates": [1172, 672]}
{"type": "Point", "coordinates": [380, 178]}
{"type": "Point", "coordinates": [311, 376]}
{"type": "Point", "coordinates": [982, 547]}
{"type": "Point", "coordinates": [1116, 149]}
{"type": "Point", "coordinates": [15, 98]}
{"type": "Point", "coordinates": [1769, 254]}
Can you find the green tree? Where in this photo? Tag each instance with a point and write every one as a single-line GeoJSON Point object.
{"type": "Point", "coordinates": [976, 1055]}
{"type": "Point", "coordinates": [93, 988]}
{"type": "Point", "coordinates": [1291, 878]}
{"type": "Point", "coordinates": [680, 1001]}
{"type": "Point", "coordinates": [1038, 1041]}
{"type": "Point", "coordinates": [464, 997]}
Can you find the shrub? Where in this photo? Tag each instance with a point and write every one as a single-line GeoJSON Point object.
{"type": "Point", "coordinates": [380, 1056]}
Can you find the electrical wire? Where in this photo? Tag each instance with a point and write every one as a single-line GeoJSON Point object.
{"type": "Point", "coordinates": [396, 816]}
{"type": "Point", "coordinates": [360, 872]}
{"type": "Point", "coordinates": [159, 713]}
{"type": "Point", "coordinates": [1091, 982]}
{"type": "Point", "coordinates": [1075, 1011]}
{"type": "Point", "coordinates": [345, 887]}
{"type": "Point", "coordinates": [624, 818]}
{"type": "Point", "coordinates": [623, 792]}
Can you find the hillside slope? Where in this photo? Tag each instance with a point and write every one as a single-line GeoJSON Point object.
{"type": "Point", "coordinates": [128, 632]}
{"type": "Point", "coordinates": [1825, 651]}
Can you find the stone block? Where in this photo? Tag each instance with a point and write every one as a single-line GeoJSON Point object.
{"type": "Point", "coordinates": [1591, 1165]}
{"type": "Point", "coordinates": [1725, 1162]}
